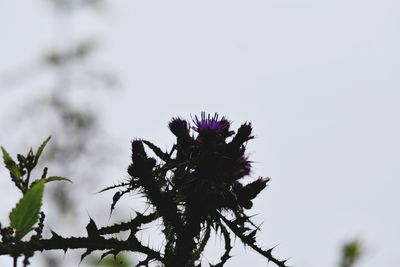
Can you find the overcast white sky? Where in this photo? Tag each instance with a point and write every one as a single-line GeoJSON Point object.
{"type": "Point", "coordinates": [318, 79]}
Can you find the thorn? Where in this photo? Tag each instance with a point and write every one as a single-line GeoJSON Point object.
{"type": "Point", "coordinates": [252, 234]}
{"type": "Point", "coordinates": [92, 230]}
{"type": "Point", "coordinates": [265, 179]}
{"type": "Point", "coordinates": [54, 235]}
{"type": "Point", "coordinates": [84, 255]}
{"type": "Point", "coordinates": [283, 262]}
{"type": "Point", "coordinates": [105, 254]}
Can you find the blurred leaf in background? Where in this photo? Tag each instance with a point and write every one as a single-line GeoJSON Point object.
{"type": "Point", "coordinates": [66, 107]}
{"type": "Point", "coordinates": [351, 253]}
{"type": "Point", "coordinates": [121, 260]}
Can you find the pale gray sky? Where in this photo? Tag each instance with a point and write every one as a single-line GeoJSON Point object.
{"type": "Point", "coordinates": [318, 79]}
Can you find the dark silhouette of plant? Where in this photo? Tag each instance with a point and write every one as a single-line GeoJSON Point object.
{"type": "Point", "coordinates": [192, 190]}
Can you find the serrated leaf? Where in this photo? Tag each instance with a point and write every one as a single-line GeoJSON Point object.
{"type": "Point", "coordinates": [41, 148]}
{"type": "Point", "coordinates": [26, 212]}
{"type": "Point", "coordinates": [11, 165]}
{"type": "Point", "coordinates": [56, 178]}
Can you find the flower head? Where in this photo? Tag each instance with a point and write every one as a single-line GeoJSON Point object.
{"type": "Point", "coordinates": [212, 125]}
{"type": "Point", "coordinates": [207, 167]}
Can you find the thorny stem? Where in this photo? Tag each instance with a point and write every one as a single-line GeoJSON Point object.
{"type": "Point", "coordinates": [91, 244]}
{"type": "Point", "coordinates": [125, 226]}
{"type": "Point", "coordinates": [266, 253]}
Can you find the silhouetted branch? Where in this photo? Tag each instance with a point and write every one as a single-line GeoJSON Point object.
{"type": "Point", "coordinates": [90, 244]}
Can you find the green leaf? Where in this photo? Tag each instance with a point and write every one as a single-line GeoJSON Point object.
{"type": "Point", "coordinates": [351, 253]}
{"type": "Point", "coordinates": [41, 148]}
{"type": "Point", "coordinates": [11, 165]}
{"type": "Point", "coordinates": [56, 178]}
{"type": "Point", "coordinates": [119, 260]}
{"type": "Point", "coordinates": [26, 212]}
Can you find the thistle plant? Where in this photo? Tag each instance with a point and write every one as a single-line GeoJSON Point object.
{"type": "Point", "coordinates": [193, 189]}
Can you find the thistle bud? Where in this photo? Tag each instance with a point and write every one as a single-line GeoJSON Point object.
{"type": "Point", "coordinates": [248, 192]}
{"type": "Point", "coordinates": [137, 148]}
{"type": "Point", "coordinates": [179, 127]}
{"type": "Point", "coordinates": [243, 134]}
{"type": "Point", "coordinates": [254, 188]}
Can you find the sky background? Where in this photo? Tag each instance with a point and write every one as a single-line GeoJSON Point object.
{"type": "Point", "coordinates": [319, 80]}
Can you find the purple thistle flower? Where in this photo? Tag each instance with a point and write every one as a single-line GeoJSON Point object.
{"type": "Point", "coordinates": [211, 125]}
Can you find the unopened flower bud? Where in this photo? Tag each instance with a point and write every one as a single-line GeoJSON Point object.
{"type": "Point", "coordinates": [179, 127]}
{"type": "Point", "coordinates": [243, 134]}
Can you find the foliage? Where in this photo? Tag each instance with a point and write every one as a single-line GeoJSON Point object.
{"type": "Point", "coordinates": [26, 213]}
{"type": "Point", "coordinates": [351, 253]}
{"type": "Point", "coordinates": [192, 190]}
